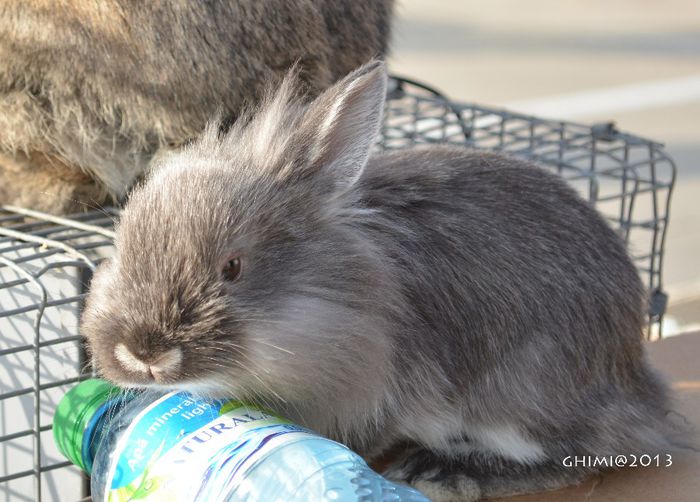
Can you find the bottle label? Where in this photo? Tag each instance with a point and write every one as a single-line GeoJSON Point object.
{"type": "Point", "coordinates": [184, 448]}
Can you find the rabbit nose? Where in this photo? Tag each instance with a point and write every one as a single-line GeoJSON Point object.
{"type": "Point", "coordinates": [157, 369]}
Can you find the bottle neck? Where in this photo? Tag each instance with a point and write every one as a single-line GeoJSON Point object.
{"type": "Point", "coordinates": [99, 426]}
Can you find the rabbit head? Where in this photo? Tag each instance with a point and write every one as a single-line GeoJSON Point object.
{"type": "Point", "coordinates": [237, 268]}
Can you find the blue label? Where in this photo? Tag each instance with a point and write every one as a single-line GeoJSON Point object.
{"type": "Point", "coordinates": [184, 448]}
{"type": "Point", "coordinates": [159, 428]}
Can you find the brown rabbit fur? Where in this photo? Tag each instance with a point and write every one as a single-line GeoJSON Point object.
{"type": "Point", "coordinates": [91, 90]}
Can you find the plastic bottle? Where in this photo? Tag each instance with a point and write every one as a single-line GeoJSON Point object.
{"type": "Point", "coordinates": [178, 447]}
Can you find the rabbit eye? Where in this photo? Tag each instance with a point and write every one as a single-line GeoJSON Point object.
{"type": "Point", "coordinates": [232, 269]}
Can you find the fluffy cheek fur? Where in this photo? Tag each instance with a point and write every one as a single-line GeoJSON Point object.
{"type": "Point", "coordinates": [320, 356]}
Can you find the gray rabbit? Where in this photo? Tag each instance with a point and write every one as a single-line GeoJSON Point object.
{"type": "Point", "coordinates": [466, 311]}
{"type": "Point", "coordinates": [91, 91]}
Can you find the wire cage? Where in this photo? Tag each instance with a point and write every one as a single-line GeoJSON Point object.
{"type": "Point", "coordinates": [46, 261]}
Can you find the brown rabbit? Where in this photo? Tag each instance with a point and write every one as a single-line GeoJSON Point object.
{"type": "Point", "coordinates": [91, 91]}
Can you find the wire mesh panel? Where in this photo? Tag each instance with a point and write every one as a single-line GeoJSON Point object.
{"type": "Point", "coordinates": [44, 266]}
{"type": "Point", "coordinates": [45, 262]}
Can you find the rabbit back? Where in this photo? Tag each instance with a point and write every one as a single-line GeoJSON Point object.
{"type": "Point", "coordinates": [525, 308]}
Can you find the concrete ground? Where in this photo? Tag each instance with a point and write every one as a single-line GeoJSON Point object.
{"type": "Point", "coordinates": [636, 62]}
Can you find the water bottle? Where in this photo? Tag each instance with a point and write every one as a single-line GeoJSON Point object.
{"type": "Point", "coordinates": [179, 447]}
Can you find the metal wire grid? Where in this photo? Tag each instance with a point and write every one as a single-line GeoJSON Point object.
{"type": "Point", "coordinates": [45, 261]}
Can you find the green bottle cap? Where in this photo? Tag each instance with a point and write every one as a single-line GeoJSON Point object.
{"type": "Point", "coordinates": [73, 414]}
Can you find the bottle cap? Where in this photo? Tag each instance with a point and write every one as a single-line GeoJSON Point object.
{"type": "Point", "coordinates": [74, 413]}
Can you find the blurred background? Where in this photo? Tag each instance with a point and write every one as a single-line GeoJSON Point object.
{"type": "Point", "coordinates": [636, 62]}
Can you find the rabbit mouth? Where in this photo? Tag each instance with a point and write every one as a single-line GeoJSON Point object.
{"type": "Point", "coordinates": [126, 368]}
{"type": "Point", "coordinates": [157, 369]}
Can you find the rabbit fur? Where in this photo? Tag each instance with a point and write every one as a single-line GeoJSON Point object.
{"type": "Point", "coordinates": [466, 310]}
{"type": "Point", "coordinates": [91, 91]}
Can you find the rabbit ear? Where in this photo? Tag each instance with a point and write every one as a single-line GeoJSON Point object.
{"type": "Point", "coordinates": [341, 126]}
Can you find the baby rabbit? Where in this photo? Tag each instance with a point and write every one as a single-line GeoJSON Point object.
{"type": "Point", "coordinates": [91, 90]}
{"type": "Point", "coordinates": [465, 310]}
